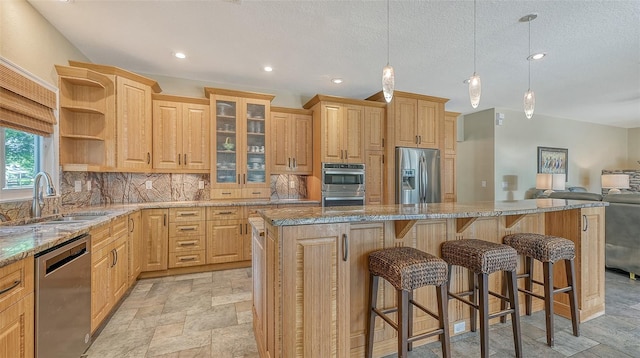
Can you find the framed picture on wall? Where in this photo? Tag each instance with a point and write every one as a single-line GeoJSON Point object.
{"type": "Point", "coordinates": [553, 161]}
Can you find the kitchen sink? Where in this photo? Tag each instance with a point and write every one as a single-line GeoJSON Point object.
{"type": "Point", "coordinates": [72, 219]}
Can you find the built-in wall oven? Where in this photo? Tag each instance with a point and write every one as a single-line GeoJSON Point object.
{"type": "Point", "coordinates": [342, 184]}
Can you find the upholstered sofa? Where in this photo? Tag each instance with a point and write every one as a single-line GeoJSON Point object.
{"type": "Point", "coordinates": [622, 227]}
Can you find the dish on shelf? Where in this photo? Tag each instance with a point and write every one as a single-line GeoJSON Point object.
{"type": "Point", "coordinates": [258, 160]}
{"type": "Point", "coordinates": [224, 109]}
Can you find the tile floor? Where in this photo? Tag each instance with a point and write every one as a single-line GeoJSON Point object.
{"type": "Point", "coordinates": [209, 315]}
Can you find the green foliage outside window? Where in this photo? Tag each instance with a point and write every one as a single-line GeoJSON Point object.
{"type": "Point", "coordinates": [20, 160]}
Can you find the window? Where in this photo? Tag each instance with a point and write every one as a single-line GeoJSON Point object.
{"type": "Point", "coordinates": [20, 153]}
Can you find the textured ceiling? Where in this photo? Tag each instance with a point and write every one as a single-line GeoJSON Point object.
{"type": "Point", "coordinates": [591, 73]}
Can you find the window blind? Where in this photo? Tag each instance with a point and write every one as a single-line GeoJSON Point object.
{"type": "Point", "coordinates": [24, 104]}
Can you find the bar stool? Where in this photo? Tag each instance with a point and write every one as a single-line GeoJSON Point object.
{"type": "Point", "coordinates": [482, 258]}
{"type": "Point", "coordinates": [548, 250]}
{"type": "Point", "coordinates": [407, 269]}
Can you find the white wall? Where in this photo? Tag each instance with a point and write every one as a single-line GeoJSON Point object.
{"type": "Point", "coordinates": [506, 155]}
{"type": "Point", "coordinates": [32, 43]}
{"type": "Point", "coordinates": [194, 88]}
{"type": "Point", "coordinates": [633, 161]}
{"type": "Point", "coordinates": [474, 160]}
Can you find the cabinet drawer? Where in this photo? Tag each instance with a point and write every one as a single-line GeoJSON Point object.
{"type": "Point", "coordinates": [186, 214]}
{"type": "Point", "coordinates": [187, 243]}
{"type": "Point", "coordinates": [16, 280]}
{"type": "Point", "coordinates": [224, 213]}
{"type": "Point", "coordinates": [187, 228]}
{"type": "Point", "coordinates": [256, 193]}
{"type": "Point", "coordinates": [187, 258]}
{"type": "Point", "coordinates": [252, 211]}
{"type": "Point", "coordinates": [226, 193]}
{"type": "Point", "coordinates": [119, 227]}
{"type": "Point", "coordinates": [100, 237]}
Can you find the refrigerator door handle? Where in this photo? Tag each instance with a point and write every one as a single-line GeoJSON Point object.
{"type": "Point", "coordinates": [423, 183]}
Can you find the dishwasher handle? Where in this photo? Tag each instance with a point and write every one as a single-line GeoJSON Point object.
{"type": "Point", "coordinates": [65, 254]}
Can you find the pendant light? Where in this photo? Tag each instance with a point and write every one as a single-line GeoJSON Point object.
{"type": "Point", "coordinates": [529, 96]}
{"type": "Point", "coordinates": [388, 77]}
{"type": "Point", "coordinates": [475, 88]}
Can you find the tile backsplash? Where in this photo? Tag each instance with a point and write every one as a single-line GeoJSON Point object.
{"type": "Point", "coordinates": [118, 188]}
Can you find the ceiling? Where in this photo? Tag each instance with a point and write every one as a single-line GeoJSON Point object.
{"type": "Point", "coordinates": [591, 72]}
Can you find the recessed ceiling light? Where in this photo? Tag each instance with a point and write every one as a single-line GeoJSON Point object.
{"type": "Point", "coordinates": [268, 68]}
{"type": "Point", "coordinates": [337, 80]}
{"type": "Point", "coordinates": [536, 56]}
{"type": "Point", "coordinates": [180, 55]}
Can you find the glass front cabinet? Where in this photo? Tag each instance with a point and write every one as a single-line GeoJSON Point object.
{"type": "Point", "coordinates": [240, 134]}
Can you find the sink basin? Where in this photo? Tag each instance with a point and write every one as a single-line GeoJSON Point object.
{"type": "Point", "coordinates": [77, 218]}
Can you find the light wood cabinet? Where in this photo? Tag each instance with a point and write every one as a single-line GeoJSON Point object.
{"type": "Point", "coordinates": [17, 309]}
{"type": "Point", "coordinates": [449, 178]}
{"type": "Point", "coordinates": [374, 183]}
{"type": "Point", "coordinates": [109, 268]}
{"type": "Point", "coordinates": [374, 128]}
{"type": "Point", "coordinates": [155, 239]}
{"type": "Point", "coordinates": [181, 133]}
{"type": "Point", "coordinates": [339, 129]}
{"type": "Point", "coordinates": [225, 241]}
{"type": "Point", "coordinates": [135, 246]}
{"type": "Point", "coordinates": [292, 141]}
{"type": "Point", "coordinates": [240, 138]}
{"type": "Point", "coordinates": [187, 230]}
{"type": "Point", "coordinates": [87, 120]}
{"type": "Point", "coordinates": [585, 227]}
{"type": "Point", "coordinates": [133, 115]}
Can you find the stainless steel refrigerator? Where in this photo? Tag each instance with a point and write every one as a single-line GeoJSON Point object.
{"type": "Point", "coordinates": [417, 175]}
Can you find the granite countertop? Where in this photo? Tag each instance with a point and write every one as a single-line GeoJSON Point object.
{"type": "Point", "coordinates": [318, 215]}
{"type": "Point", "coordinates": [20, 239]}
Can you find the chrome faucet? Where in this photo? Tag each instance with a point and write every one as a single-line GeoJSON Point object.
{"type": "Point", "coordinates": [38, 202]}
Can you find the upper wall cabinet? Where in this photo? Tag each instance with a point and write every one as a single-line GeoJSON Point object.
{"type": "Point", "coordinates": [292, 141]}
{"type": "Point", "coordinates": [133, 116]}
{"type": "Point", "coordinates": [87, 120]}
{"type": "Point", "coordinates": [180, 133]}
{"type": "Point", "coordinates": [240, 141]}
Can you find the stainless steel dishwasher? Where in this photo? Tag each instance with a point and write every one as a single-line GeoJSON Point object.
{"type": "Point", "coordinates": [63, 299]}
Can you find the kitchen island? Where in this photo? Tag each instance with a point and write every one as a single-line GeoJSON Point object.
{"type": "Point", "coordinates": [310, 266]}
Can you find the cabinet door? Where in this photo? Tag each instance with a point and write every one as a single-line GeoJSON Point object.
{"type": "Point", "coordinates": [449, 179]}
{"type": "Point", "coordinates": [195, 136]}
{"type": "Point", "coordinates": [134, 125]}
{"type": "Point", "coordinates": [315, 291]}
{"type": "Point", "coordinates": [450, 133]}
{"type": "Point", "coordinates": [226, 163]}
{"type": "Point", "coordinates": [256, 167]}
{"type": "Point", "coordinates": [374, 185]}
{"type": "Point", "coordinates": [167, 134]}
{"type": "Point", "coordinates": [374, 128]}
{"type": "Point", "coordinates": [155, 239]}
{"type": "Point", "coordinates": [302, 143]}
{"type": "Point", "coordinates": [353, 135]}
{"type": "Point", "coordinates": [135, 246]}
{"type": "Point", "coordinates": [119, 276]}
{"type": "Point", "coordinates": [332, 150]}
{"type": "Point", "coordinates": [281, 142]}
{"type": "Point", "coordinates": [428, 124]}
{"type": "Point", "coordinates": [224, 241]}
{"type": "Point", "coordinates": [405, 114]}
{"type": "Point", "coordinates": [259, 275]}
{"type": "Point", "coordinates": [101, 262]}
{"type": "Point", "coordinates": [16, 329]}
{"type": "Point", "coordinates": [590, 261]}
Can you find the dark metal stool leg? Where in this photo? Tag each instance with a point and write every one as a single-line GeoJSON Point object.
{"type": "Point", "coordinates": [474, 298]}
{"type": "Point", "coordinates": [410, 319]}
{"type": "Point", "coordinates": [403, 322]}
{"type": "Point", "coordinates": [512, 283]}
{"type": "Point", "coordinates": [373, 301]}
{"type": "Point", "coordinates": [548, 300]}
{"type": "Point", "coordinates": [573, 297]}
{"type": "Point", "coordinates": [483, 292]}
{"type": "Point", "coordinates": [443, 317]}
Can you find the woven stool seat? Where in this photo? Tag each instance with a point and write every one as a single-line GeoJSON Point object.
{"type": "Point", "coordinates": [480, 256]}
{"type": "Point", "coordinates": [544, 248]}
{"type": "Point", "coordinates": [407, 268]}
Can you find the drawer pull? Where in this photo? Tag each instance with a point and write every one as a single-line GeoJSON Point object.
{"type": "Point", "coordinates": [225, 213]}
{"type": "Point", "coordinates": [255, 192]}
{"type": "Point", "coordinates": [188, 258]}
{"type": "Point", "coordinates": [13, 285]}
{"type": "Point", "coordinates": [188, 213]}
{"type": "Point", "coordinates": [188, 228]}
{"type": "Point", "coordinates": [187, 244]}
{"type": "Point", "coordinates": [226, 193]}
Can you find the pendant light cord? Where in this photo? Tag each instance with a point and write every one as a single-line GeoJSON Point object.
{"type": "Point", "coordinates": [474, 37]}
{"type": "Point", "coordinates": [388, 52]}
{"type": "Point", "coordinates": [529, 54]}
